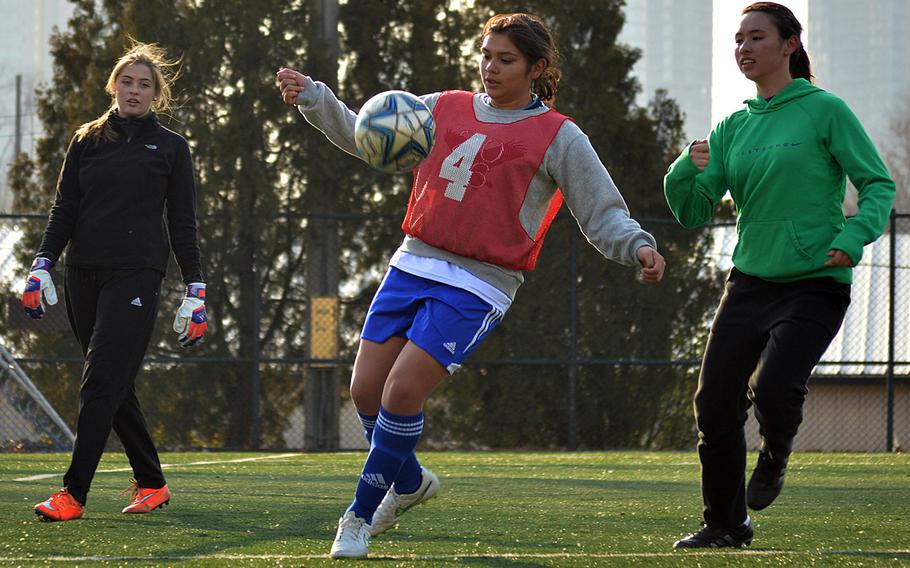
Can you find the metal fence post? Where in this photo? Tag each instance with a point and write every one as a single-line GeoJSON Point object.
{"type": "Point", "coordinates": [255, 402]}
{"type": "Point", "coordinates": [573, 337]}
{"type": "Point", "coordinates": [892, 313]}
{"type": "Point", "coordinates": [322, 391]}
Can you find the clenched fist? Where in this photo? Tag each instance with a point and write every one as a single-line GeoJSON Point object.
{"type": "Point", "coordinates": [699, 154]}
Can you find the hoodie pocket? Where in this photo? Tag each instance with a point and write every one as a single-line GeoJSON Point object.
{"type": "Point", "coordinates": [771, 249]}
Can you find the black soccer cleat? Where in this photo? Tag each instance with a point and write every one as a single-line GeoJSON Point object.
{"type": "Point", "coordinates": [766, 482]}
{"type": "Point", "coordinates": [719, 538]}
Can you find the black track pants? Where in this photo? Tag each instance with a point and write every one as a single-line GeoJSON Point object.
{"type": "Point", "coordinates": [765, 340]}
{"type": "Point", "coordinates": [112, 313]}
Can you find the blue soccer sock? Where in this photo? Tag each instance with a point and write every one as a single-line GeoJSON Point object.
{"type": "Point", "coordinates": [409, 477]}
{"type": "Point", "coordinates": [369, 422]}
{"type": "Point", "coordinates": [394, 439]}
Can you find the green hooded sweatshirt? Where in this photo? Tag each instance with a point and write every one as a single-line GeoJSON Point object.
{"type": "Point", "coordinates": [784, 162]}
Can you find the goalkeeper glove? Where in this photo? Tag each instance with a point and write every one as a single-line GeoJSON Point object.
{"type": "Point", "coordinates": [38, 288]}
{"type": "Point", "coordinates": [191, 320]}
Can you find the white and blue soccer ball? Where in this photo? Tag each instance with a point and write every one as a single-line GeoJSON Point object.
{"type": "Point", "coordinates": [394, 131]}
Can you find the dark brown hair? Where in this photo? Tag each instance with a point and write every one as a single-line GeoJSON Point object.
{"type": "Point", "coordinates": [787, 26]}
{"type": "Point", "coordinates": [535, 41]}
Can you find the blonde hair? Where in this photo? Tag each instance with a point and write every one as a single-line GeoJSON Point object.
{"type": "Point", "coordinates": [163, 77]}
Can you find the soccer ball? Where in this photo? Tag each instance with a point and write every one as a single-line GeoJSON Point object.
{"type": "Point", "coordinates": [394, 131]}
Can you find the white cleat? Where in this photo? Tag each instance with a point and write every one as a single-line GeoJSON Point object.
{"type": "Point", "coordinates": [352, 539]}
{"type": "Point", "coordinates": [395, 505]}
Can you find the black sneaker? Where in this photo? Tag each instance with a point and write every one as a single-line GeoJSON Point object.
{"type": "Point", "coordinates": [719, 538]}
{"type": "Point", "coordinates": [766, 482]}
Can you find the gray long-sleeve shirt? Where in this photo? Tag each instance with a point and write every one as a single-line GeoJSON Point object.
{"type": "Point", "coordinates": [570, 165]}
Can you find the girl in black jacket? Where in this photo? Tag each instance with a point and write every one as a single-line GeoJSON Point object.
{"type": "Point", "coordinates": [123, 176]}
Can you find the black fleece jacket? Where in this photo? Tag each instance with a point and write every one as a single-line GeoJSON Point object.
{"type": "Point", "coordinates": [112, 198]}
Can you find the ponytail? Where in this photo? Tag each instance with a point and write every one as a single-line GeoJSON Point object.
{"type": "Point", "coordinates": [535, 41]}
{"type": "Point", "coordinates": [545, 85]}
{"type": "Point", "coordinates": [800, 67]}
{"type": "Point", "coordinates": [787, 26]}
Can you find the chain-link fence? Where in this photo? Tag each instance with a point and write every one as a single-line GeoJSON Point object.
{"type": "Point", "coordinates": [587, 357]}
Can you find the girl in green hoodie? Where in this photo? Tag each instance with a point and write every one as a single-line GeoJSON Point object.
{"type": "Point", "coordinates": [784, 159]}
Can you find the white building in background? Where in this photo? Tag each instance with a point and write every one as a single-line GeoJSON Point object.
{"type": "Point", "coordinates": [25, 28]}
{"type": "Point", "coordinates": [861, 52]}
{"type": "Point", "coordinates": [675, 39]}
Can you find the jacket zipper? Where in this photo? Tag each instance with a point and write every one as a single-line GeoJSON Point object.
{"type": "Point", "coordinates": [130, 130]}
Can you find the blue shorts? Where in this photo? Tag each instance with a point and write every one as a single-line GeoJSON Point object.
{"type": "Point", "coordinates": [446, 322]}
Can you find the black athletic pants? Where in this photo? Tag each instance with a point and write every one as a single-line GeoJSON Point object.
{"type": "Point", "coordinates": [765, 340]}
{"type": "Point", "coordinates": [112, 313]}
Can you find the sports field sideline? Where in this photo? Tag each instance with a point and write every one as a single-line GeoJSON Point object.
{"type": "Point", "coordinates": [494, 509]}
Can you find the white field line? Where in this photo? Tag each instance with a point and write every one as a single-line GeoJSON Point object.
{"type": "Point", "coordinates": [482, 555]}
{"type": "Point", "coordinates": [794, 463]}
{"type": "Point", "coordinates": [282, 456]}
{"type": "Point", "coordinates": [167, 465]}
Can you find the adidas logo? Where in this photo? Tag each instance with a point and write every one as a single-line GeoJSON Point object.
{"type": "Point", "coordinates": [136, 302]}
{"type": "Point", "coordinates": [450, 347]}
{"type": "Point", "coordinates": [376, 480]}
{"type": "Point", "coordinates": [151, 146]}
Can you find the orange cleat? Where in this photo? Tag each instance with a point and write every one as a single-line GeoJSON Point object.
{"type": "Point", "coordinates": [145, 499]}
{"type": "Point", "coordinates": [60, 507]}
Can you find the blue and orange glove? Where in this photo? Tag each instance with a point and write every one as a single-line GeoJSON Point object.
{"type": "Point", "coordinates": [39, 288]}
{"type": "Point", "coordinates": [191, 320]}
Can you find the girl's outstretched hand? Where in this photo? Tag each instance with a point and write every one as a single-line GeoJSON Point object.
{"type": "Point", "coordinates": [290, 83]}
{"type": "Point", "coordinates": [652, 264]}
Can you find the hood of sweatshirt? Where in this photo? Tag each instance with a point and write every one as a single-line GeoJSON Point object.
{"type": "Point", "coordinates": [797, 89]}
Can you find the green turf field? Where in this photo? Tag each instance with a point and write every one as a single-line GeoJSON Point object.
{"type": "Point", "coordinates": [494, 509]}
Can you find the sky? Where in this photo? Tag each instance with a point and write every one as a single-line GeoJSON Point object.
{"type": "Point", "coordinates": [728, 87]}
